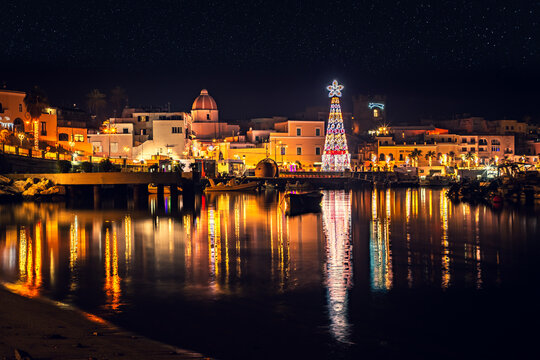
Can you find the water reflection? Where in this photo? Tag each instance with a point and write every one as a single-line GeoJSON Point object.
{"type": "Point", "coordinates": [336, 207]}
{"type": "Point", "coordinates": [380, 252]}
{"type": "Point", "coordinates": [242, 246]}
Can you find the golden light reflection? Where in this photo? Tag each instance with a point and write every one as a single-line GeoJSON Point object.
{"type": "Point", "coordinates": [38, 255]}
{"type": "Point", "coordinates": [112, 280]}
{"type": "Point", "coordinates": [128, 242]}
{"type": "Point", "coordinates": [445, 258]}
{"type": "Point", "coordinates": [22, 252]}
{"type": "Point", "coordinates": [408, 236]}
{"type": "Point", "coordinates": [380, 252]}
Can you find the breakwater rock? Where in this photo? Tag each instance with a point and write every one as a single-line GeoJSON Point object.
{"type": "Point", "coordinates": [30, 189]}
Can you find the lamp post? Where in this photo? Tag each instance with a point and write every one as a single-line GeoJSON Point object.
{"type": "Point", "coordinates": [21, 138]}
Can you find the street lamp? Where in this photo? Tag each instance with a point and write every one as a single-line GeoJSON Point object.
{"type": "Point", "coordinates": [21, 137]}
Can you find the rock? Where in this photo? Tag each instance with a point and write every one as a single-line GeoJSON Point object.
{"type": "Point", "coordinates": [22, 355]}
{"type": "Point", "coordinates": [19, 185]}
{"type": "Point", "coordinates": [46, 183]}
{"type": "Point", "coordinates": [9, 190]}
{"type": "Point", "coordinates": [4, 180]}
{"type": "Point", "coordinates": [55, 190]}
{"type": "Point", "coordinates": [28, 183]}
{"type": "Point", "coordinates": [31, 191]}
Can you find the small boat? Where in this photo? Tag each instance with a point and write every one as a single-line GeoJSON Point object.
{"type": "Point", "coordinates": [300, 203]}
{"type": "Point", "coordinates": [297, 186]}
{"type": "Point", "coordinates": [232, 185]}
{"type": "Point", "coordinates": [436, 180]}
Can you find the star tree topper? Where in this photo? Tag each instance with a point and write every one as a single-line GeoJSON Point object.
{"type": "Point", "coordinates": [335, 89]}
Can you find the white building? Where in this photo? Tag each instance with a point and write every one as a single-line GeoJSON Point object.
{"type": "Point", "coordinates": [168, 139]}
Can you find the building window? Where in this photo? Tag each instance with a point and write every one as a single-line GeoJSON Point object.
{"type": "Point", "coordinates": [79, 137]}
{"type": "Point", "coordinates": [63, 137]}
{"type": "Point", "coordinates": [473, 149]}
{"type": "Point", "coordinates": [463, 140]}
{"type": "Point", "coordinates": [282, 150]}
{"type": "Point", "coordinates": [400, 157]}
{"type": "Point", "coordinates": [256, 138]}
{"type": "Point", "coordinates": [176, 129]}
{"type": "Point", "coordinates": [298, 132]}
{"type": "Point", "coordinates": [317, 150]}
{"type": "Point", "coordinates": [96, 145]}
{"type": "Point", "coordinates": [495, 142]}
{"type": "Point", "coordinates": [114, 147]}
{"type": "Point", "coordinates": [43, 128]}
{"type": "Point", "coordinates": [125, 130]}
{"type": "Point", "coordinates": [298, 151]}
{"type": "Point", "coordinates": [317, 132]}
{"type": "Point", "coordinates": [207, 116]}
{"type": "Point", "coordinates": [143, 131]}
{"type": "Point", "coordinates": [464, 149]}
{"type": "Point", "coordinates": [376, 113]}
{"type": "Point", "coordinates": [20, 107]}
{"type": "Point", "coordinates": [473, 140]}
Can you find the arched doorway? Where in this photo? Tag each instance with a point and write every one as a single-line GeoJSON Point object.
{"type": "Point", "coordinates": [18, 125]}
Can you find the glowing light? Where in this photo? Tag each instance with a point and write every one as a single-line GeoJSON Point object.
{"type": "Point", "coordinates": [337, 230]}
{"type": "Point", "coordinates": [372, 105]}
{"type": "Point", "coordinates": [336, 155]}
{"type": "Point", "coordinates": [334, 89]}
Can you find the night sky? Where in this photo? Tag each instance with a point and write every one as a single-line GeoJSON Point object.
{"type": "Point", "coordinates": [264, 58]}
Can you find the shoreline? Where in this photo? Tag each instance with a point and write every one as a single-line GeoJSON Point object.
{"type": "Point", "coordinates": [46, 329]}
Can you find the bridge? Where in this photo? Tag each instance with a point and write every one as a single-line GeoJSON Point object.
{"type": "Point", "coordinates": [137, 181]}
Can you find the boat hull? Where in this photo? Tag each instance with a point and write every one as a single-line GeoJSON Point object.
{"type": "Point", "coordinates": [300, 203]}
{"type": "Point", "coordinates": [250, 186]}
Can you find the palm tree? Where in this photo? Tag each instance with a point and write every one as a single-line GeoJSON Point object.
{"type": "Point", "coordinates": [468, 157]}
{"type": "Point", "coordinates": [415, 155]}
{"type": "Point", "coordinates": [118, 99]}
{"type": "Point", "coordinates": [96, 101]}
{"type": "Point", "coordinates": [429, 156]}
{"type": "Point", "coordinates": [36, 101]}
{"type": "Point", "coordinates": [452, 156]}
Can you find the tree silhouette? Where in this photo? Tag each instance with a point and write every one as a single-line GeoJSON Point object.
{"type": "Point", "coordinates": [118, 100]}
{"type": "Point", "coordinates": [96, 101]}
{"type": "Point", "coordinates": [36, 102]}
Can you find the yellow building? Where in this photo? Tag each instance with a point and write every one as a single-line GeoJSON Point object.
{"type": "Point", "coordinates": [294, 144]}
{"type": "Point", "coordinates": [12, 110]}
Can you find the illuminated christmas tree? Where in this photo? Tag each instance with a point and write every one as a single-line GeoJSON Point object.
{"type": "Point", "coordinates": [336, 155]}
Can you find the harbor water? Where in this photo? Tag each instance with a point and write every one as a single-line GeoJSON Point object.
{"type": "Point", "coordinates": [377, 273]}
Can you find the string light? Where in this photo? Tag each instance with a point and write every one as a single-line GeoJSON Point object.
{"type": "Point", "coordinates": [372, 105]}
{"type": "Point", "coordinates": [334, 89]}
{"type": "Point", "coordinates": [336, 155]}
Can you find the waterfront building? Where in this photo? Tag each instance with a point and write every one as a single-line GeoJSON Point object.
{"type": "Point", "coordinates": [483, 149]}
{"type": "Point", "coordinates": [293, 144]}
{"type": "Point", "coordinates": [113, 141]}
{"type": "Point", "coordinates": [13, 113]}
{"type": "Point", "coordinates": [57, 127]}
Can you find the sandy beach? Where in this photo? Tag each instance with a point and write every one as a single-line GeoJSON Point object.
{"type": "Point", "coordinates": [43, 330]}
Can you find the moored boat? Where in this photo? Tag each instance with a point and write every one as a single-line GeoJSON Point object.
{"type": "Point", "coordinates": [232, 185]}
{"type": "Point", "coordinates": [300, 203]}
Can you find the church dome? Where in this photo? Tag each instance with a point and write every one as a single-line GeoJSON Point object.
{"type": "Point", "coordinates": [204, 102]}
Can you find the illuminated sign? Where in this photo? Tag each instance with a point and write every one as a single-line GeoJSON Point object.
{"type": "Point", "coordinates": [376, 105]}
